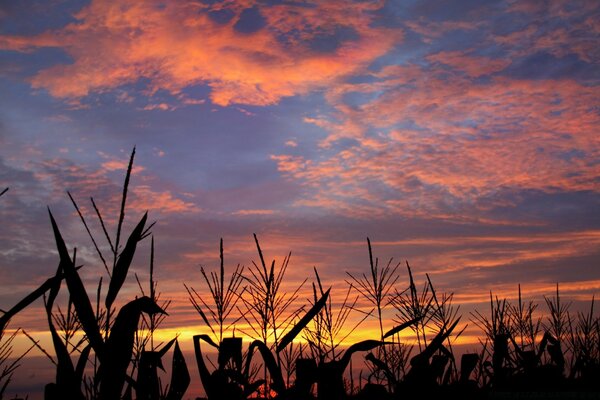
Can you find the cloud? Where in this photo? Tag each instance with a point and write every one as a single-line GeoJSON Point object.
{"type": "Point", "coordinates": [178, 44]}
{"type": "Point", "coordinates": [255, 212]}
{"type": "Point", "coordinates": [473, 66]}
{"type": "Point", "coordinates": [559, 28]}
{"type": "Point", "coordinates": [433, 142]}
{"type": "Point", "coordinates": [60, 175]}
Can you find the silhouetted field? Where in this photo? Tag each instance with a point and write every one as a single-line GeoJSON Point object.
{"type": "Point", "coordinates": [296, 352]}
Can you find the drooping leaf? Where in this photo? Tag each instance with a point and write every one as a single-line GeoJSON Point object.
{"type": "Point", "coordinates": [180, 375]}
{"type": "Point", "coordinates": [310, 314]}
{"type": "Point", "coordinates": [208, 340]}
{"type": "Point", "coordinates": [121, 268]}
{"type": "Point", "coordinates": [269, 361]}
{"type": "Point", "coordinates": [119, 346]}
{"type": "Point", "coordinates": [81, 301]}
{"type": "Point", "coordinates": [402, 326]}
{"type": "Point", "coordinates": [365, 345]}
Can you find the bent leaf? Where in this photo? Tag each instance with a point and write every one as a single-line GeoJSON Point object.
{"type": "Point", "coordinates": [119, 346]}
{"type": "Point", "coordinates": [205, 376]}
{"type": "Point", "coordinates": [270, 363]}
{"type": "Point", "coordinates": [365, 345]}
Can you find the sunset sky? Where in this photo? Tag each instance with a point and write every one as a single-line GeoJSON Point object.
{"type": "Point", "coordinates": [461, 136]}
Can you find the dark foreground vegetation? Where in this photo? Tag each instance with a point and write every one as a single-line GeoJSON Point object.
{"type": "Point", "coordinates": [117, 357]}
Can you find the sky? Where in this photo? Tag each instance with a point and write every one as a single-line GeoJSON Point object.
{"type": "Point", "coordinates": [461, 137]}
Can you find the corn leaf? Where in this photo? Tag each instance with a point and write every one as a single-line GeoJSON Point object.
{"type": "Point", "coordinates": [401, 327]}
{"type": "Point", "coordinates": [121, 268]}
{"type": "Point", "coordinates": [365, 345]}
{"type": "Point", "coordinates": [119, 346]}
{"type": "Point", "coordinates": [205, 377]}
{"type": "Point", "coordinates": [180, 375]}
{"type": "Point", "coordinates": [296, 329]}
{"type": "Point", "coordinates": [278, 384]}
{"type": "Point", "coordinates": [66, 379]}
{"type": "Point", "coordinates": [27, 300]}
{"type": "Point", "coordinates": [81, 301]}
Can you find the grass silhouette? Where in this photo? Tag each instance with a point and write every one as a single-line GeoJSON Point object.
{"type": "Point", "coordinates": [116, 357]}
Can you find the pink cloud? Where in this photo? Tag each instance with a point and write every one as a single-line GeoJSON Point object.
{"type": "Point", "coordinates": [473, 66]}
{"type": "Point", "coordinates": [465, 141]}
{"type": "Point", "coordinates": [114, 43]}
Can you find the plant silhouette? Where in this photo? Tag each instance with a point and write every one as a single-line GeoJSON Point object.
{"type": "Point", "coordinates": [105, 349]}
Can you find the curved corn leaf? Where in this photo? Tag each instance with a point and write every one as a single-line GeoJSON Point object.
{"type": "Point", "coordinates": [81, 301]}
{"type": "Point", "coordinates": [296, 329]}
{"type": "Point", "coordinates": [67, 384]}
{"type": "Point", "coordinates": [382, 366]}
{"type": "Point", "coordinates": [180, 375]}
{"type": "Point", "coordinates": [270, 363]}
{"type": "Point", "coordinates": [365, 345]}
{"type": "Point", "coordinates": [119, 346]}
{"type": "Point", "coordinates": [121, 268]}
{"type": "Point", "coordinates": [208, 340]}
{"type": "Point", "coordinates": [83, 358]}
{"type": "Point", "coordinates": [205, 376]}
{"type": "Point", "coordinates": [402, 326]}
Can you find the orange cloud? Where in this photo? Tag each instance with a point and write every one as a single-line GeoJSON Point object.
{"type": "Point", "coordinates": [176, 44]}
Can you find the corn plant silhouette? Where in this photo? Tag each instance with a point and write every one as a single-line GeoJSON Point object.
{"type": "Point", "coordinates": [265, 315]}
{"type": "Point", "coordinates": [110, 339]}
{"type": "Point", "coordinates": [100, 353]}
